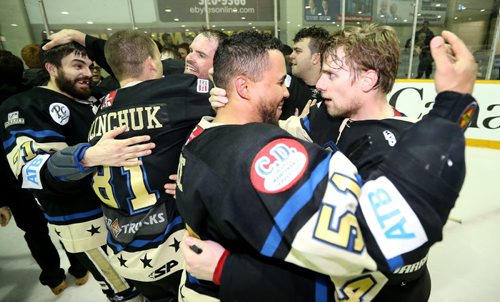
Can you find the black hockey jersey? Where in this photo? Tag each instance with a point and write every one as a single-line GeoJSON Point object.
{"type": "Point", "coordinates": [268, 193]}
{"type": "Point", "coordinates": [141, 218]}
{"type": "Point", "coordinates": [36, 124]}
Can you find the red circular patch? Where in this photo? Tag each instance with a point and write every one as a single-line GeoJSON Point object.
{"type": "Point", "coordinates": [278, 166]}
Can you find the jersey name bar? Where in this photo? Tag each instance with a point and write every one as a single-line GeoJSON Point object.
{"type": "Point", "coordinates": [137, 118]}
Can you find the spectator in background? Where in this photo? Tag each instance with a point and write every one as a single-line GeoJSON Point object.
{"type": "Point", "coordinates": [394, 13]}
{"type": "Point", "coordinates": [11, 75]}
{"type": "Point", "coordinates": [96, 74]}
{"type": "Point", "coordinates": [169, 52]}
{"type": "Point", "coordinates": [183, 50]}
{"type": "Point", "coordinates": [312, 10]}
{"type": "Point", "coordinates": [324, 6]}
{"type": "Point", "coordinates": [423, 38]}
{"type": "Point", "coordinates": [33, 76]}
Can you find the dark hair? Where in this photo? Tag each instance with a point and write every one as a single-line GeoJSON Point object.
{"type": "Point", "coordinates": [31, 55]}
{"type": "Point", "coordinates": [243, 53]}
{"type": "Point", "coordinates": [126, 51]}
{"type": "Point", "coordinates": [11, 69]}
{"type": "Point", "coordinates": [370, 47]}
{"type": "Point", "coordinates": [55, 55]}
{"type": "Point", "coordinates": [318, 37]}
{"type": "Point", "coordinates": [213, 34]}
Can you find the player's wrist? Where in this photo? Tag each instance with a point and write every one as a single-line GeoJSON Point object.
{"type": "Point", "coordinates": [220, 266]}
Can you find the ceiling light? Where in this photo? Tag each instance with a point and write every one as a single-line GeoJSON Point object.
{"type": "Point", "coordinates": [183, 25]}
{"type": "Point", "coordinates": [110, 29]}
{"type": "Point", "coordinates": [14, 24]}
{"type": "Point", "coordinates": [168, 10]}
{"type": "Point", "coordinates": [90, 22]}
{"type": "Point", "coordinates": [243, 18]}
{"type": "Point", "coordinates": [64, 13]}
{"type": "Point", "coordinates": [176, 19]}
{"type": "Point", "coordinates": [482, 10]}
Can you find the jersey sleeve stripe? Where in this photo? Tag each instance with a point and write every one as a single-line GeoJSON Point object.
{"type": "Point", "coordinates": [38, 134]}
{"type": "Point", "coordinates": [73, 216]}
{"type": "Point", "coordinates": [293, 206]}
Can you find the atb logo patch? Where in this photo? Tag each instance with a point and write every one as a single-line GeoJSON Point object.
{"type": "Point", "coordinates": [13, 119]}
{"type": "Point", "coordinates": [202, 86]}
{"type": "Point", "coordinates": [278, 166]}
{"type": "Point", "coordinates": [59, 113]}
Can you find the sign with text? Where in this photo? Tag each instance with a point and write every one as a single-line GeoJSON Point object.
{"type": "Point", "coordinates": [417, 98]}
{"type": "Point", "coordinates": [218, 10]}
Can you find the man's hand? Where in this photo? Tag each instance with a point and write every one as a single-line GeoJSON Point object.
{"type": "Point", "coordinates": [170, 187]}
{"type": "Point", "coordinates": [201, 265]}
{"type": "Point", "coordinates": [5, 216]}
{"type": "Point", "coordinates": [456, 67]}
{"type": "Point", "coordinates": [117, 152]}
{"type": "Point", "coordinates": [65, 36]}
{"type": "Point", "coordinates": [218, 98]}
{"type": "Point", "coordinates": [306, 109]}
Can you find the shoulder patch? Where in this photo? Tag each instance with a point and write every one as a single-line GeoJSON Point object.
{"type": "Point", "coordinates": [202, 86]}
{"type": "Point", "coordinates": [278, 166]}
{"type": "Point", "coordinates": [13, 119]}
{"type": "Point", "coordinates": [59, 113]}
{"type": "Point", "coordinates": [108, 99]}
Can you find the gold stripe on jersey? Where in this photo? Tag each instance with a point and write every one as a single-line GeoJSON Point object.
{"type": "Point", "coordinates": [152, 264]}
{"type": "Point", "coordinates": [83, 236]}
{"type": "Point", "coordinates": [26, 149]}
{"type": "Point", "coordinates": [100, 260]}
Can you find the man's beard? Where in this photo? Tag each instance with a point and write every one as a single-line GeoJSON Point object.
{"type": "Point", "coordinates": [69, 86]}
{"type": "Point", "coordinates": [268, 115]}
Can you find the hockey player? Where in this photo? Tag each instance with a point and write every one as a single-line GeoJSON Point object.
{"type": "Point", "coordinates": [43, 124]}
{"type": "Point", "coordinates": [144, 225]}
{"type": "Point", "coordinates": [273, 186]}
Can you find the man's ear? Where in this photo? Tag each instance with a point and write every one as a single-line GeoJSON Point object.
{"type": "Point", "coordinates": [369, 79]}
{"type": "Point", "coordinates": [150, 66]}
{"type": "Point", "coordinates": [51, 69]}
{"type": "Point", "coordinates": [242, 86]}
{"type": "Point", "coordinates": [316, 58]}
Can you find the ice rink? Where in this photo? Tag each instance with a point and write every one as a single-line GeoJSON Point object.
{"type": "Point", "coordinates": [463, 266]}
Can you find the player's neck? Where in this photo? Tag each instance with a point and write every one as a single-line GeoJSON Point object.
{"type": "Point", "coordinates": [374, 109]}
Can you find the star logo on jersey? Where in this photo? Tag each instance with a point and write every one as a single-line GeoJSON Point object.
{"type": "Point", "coordinates": [122, 261]}
{"type": "Point", "coordinates": [146, 262]}
{"type": "Point", "coordinates": [115, 228]}
{"type": "Point", "coordinates": [93, 230]}
{"type": "Point", "coordinates": [175, 245]}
